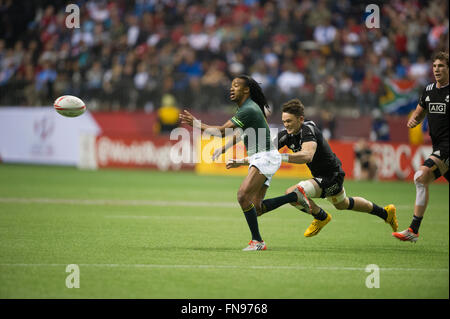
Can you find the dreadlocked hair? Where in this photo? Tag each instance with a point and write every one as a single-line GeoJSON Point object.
{"type": "Point", "coordinates": [256, 93]}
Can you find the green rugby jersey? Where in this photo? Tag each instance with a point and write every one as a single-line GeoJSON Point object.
{"type": "Point", "coordinates": [256, 135]}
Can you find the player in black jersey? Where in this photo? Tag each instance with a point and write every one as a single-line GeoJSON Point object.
{"type": "Point", "coordinates": [305, 139]}
{"type": "Point", "coordinates": [433, 104]}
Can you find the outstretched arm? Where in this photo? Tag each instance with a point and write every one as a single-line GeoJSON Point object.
{"type": "Point", "coordinates": [302, 157]}
{"type": "Point", "coordinates": [236, 162]}
{"type": "Point", "coordinates": [236, 139]}
{"type": "Point", "coordinates": [189, 119]}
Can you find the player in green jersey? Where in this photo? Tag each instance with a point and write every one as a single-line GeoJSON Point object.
{"type": "Point", "coordinates": [263, 158]}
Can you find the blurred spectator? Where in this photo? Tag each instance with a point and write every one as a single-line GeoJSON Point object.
{"type": "Point", "coordinates": [168, 114]}
{"type": "Point", "coordinates": [380, 127]}
{"type": "Point", "coordinates": [216, 83]}
{"type": "Point", "coordinates": [371, 90]}
{"type": "Point", "coordinates": [327, 123]}
{"type": "Point", "coordinates": [127, 55]}
{"type": "Point", "coordinates": [365, 163]}
{"type": "Point", "coordinates": [325, 33]}
{"type": "Point", "coordinates": [402, 68]}
{"type": "Point", "coordinates": [94, 79]}
{"type": "Point", "coordinates": [420, 71]}
{"type": "Point", "coordinates": [290, 81]}
{"type": "Point", "coordinates": [44, 83]}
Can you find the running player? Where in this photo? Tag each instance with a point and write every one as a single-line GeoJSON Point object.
{"type": "Point", "coordinates": [433, 104]}
{"type": "Point", "coordinates": [310, 148]}
{"type": "Point", "coordinates": [263, 158]}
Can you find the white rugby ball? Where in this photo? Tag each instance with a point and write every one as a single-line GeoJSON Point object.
{"type": "Point", "coordinates": [69, 105]}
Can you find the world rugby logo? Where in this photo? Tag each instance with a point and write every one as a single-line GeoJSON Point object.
{"type": "Point", "coordinates": [437, 108]}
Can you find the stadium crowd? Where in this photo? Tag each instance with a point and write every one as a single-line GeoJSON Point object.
{"type": "Point", "coordinates": [128, 54]}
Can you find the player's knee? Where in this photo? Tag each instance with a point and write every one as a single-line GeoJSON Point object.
{"type": "Point", "coordinates": [421, 177]}
{"type": "Point", "coordinates": [341, 201]}
{"type": "Point", "coordinates": [243, 197]}
{"type": "Point", "coordinates": [289, 190]}
{"type": "Point", "coordinates": [341, 206]}
{"type": "Point", "coordinates": [421, 188]}
{"type": "Point", "coordinates": [258, 208]}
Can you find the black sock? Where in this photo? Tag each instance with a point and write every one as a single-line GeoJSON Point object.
{"type": "Point", "coordinates": [321, 215]}
{"type": "Point", "coordinates": [415, 224]}
{"type": "Point", "coordinates": [351, 203]}
{"type": "Point", "coordinates": [379, 211]}
{"type": "Point", "coordinates": [252, 221]}
{"type": "Point", "coordinates": [272, 203]}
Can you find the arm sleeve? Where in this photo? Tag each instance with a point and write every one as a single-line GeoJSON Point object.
{"type": "Point", "coordinates": [242, 118]}
{"type": "Point", "coordinates": [309, 134]}
{"type": "Point", "coordinates": [281, 139]}
{"type": "Point", "coordinates": [422, 97]}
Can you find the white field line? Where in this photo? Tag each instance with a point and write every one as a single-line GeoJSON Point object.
{"type": "Point", "coordinates": [188, 217]}
{"type": "Point", "coordinates": [114, 202]}
{"type": "Point", "coordinates": [294, 267]}
{"type": "Point", "coordinates": [137, 202]}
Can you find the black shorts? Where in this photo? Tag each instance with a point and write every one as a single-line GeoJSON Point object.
{"type": "Point", "coordinates": [441, 152]}
{"type": "Point", "coordinates": [330, 185]}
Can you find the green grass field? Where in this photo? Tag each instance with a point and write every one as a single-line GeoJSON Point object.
{"type": "Point", "coordinates": [146, 234]}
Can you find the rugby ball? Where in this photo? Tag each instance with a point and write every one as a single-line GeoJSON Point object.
{"type": "Point", "coordinates": [69, 105]}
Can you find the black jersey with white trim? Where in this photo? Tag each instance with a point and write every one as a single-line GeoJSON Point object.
{"type": "Point", "coordinates": [435, 102]}
{"type": "Point", "coordinates": [324, 162]}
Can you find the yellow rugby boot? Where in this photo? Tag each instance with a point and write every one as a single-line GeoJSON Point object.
{"type": "Point", "coordinates": [316, 226]}
{"type": "Point", "coordinates": [392, 217]}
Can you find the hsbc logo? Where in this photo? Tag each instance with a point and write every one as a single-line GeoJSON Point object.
{"type": "Point", "coordinates": [437, 108]}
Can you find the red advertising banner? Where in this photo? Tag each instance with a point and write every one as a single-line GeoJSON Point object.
{"type": "Point", "coordinates": [157, 152]}
{"type": "Point", "coordinates": [395, 161]}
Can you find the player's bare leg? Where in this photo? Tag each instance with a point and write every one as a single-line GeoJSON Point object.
{"type": "Point", "coordinates": [297, 196]}
{"type": "Point", "coordinates": [311, 189]}
{"type": "Point", "coordinates": [251, 185]}
{"type": "Point", "coordinates": [321, 217]}
{"type": "Point", "coordinates": [360, 204]}
{"type": "Point", "coordinates": [425, 176]}
{"type": "Point", "coordinates": [257, 199]}
{"type": "Point", "coordinates": [422, 179]}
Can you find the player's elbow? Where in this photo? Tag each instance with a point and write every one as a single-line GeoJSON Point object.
{"type": "Point", "coordinates": [309, 158]}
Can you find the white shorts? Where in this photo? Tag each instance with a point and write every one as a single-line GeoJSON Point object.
{"type": "Point", "coordinates": [268, 163]}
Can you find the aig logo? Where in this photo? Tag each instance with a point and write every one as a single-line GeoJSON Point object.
{"type": "Point", "coordinates": [437, 108]}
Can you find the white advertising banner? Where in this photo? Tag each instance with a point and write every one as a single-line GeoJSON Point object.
{"type": "Point", "coordinates": [40, 135]}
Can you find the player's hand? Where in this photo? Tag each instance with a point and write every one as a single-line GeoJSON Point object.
{"type": "Point", "coordinates": [217, 154]}
{"type": "Point", "coordinates": [187, 118]}
{"type": "Point", "coordinates": [412, 122]}
{"type": "Point", "coordinates": [233, 163]}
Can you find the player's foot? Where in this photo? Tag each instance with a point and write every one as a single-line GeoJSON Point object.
{"type": "Point", "coordinates": [392, 217]}
{"type": "Point", "coordinates": [316, 226]}
{"type": "Point", "coordinates": [255, 245]}
{"type": "Point", "coordinates": [302, 199]}
{"type": "Point", "coordinates": [407, 235]}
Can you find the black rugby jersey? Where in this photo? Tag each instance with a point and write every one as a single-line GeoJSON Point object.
{"type": "Point", "coordinates": [324, 162]}
{"type": "Point", "coordinates": [435, 101]}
